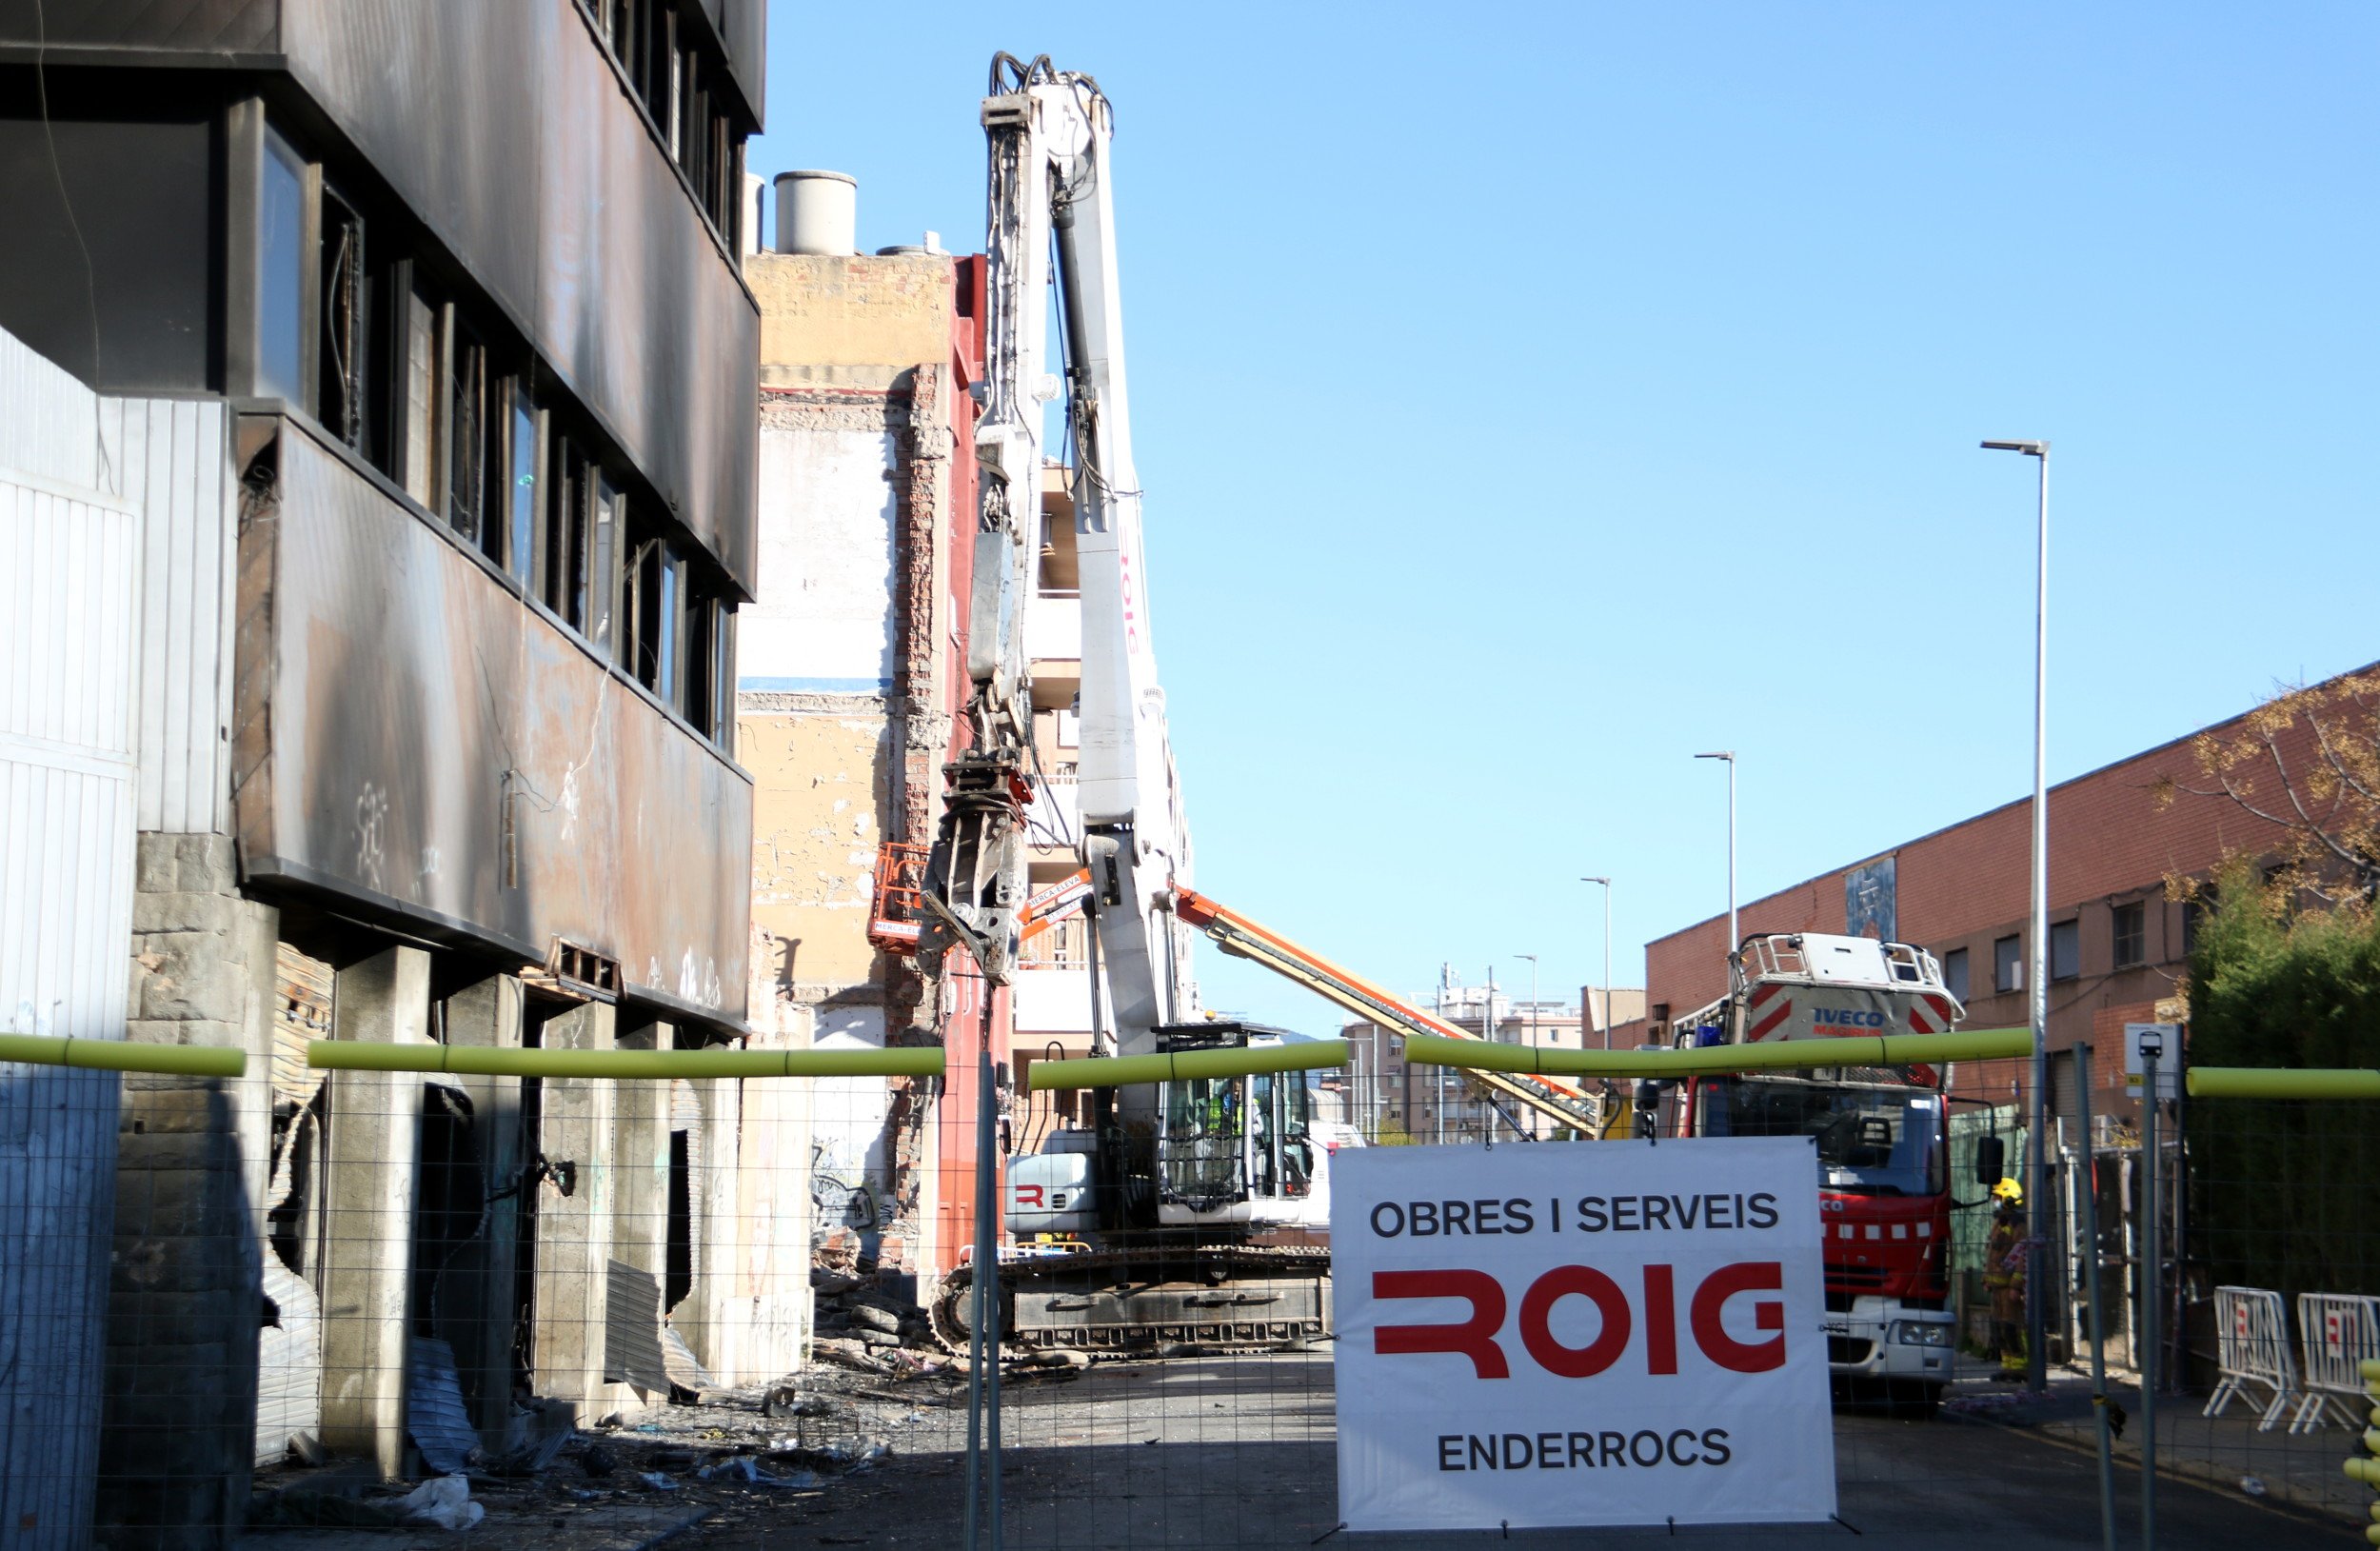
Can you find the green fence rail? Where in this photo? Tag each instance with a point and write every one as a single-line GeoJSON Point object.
{"type": "Point", "coordinates": [629, 1065]}
{"type": "Point", "coordinates": [1114, 1071]}
{"type": "Point", "coordinates": [1792, 1055]}
{"type": "Point", "coordinates": [2282, 1083]}
{"type": "Point", "coordinates": [124, 1056]}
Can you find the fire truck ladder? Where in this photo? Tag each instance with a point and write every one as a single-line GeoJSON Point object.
{"type": "Point", "coordinates": [1237, 935]}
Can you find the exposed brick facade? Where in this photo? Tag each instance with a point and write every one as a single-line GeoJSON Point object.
{"type": "Point", "coordinates": [1968, 887]}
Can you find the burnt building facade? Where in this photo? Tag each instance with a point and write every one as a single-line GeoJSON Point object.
{"type": "Point", "coordinates": [403, 348]}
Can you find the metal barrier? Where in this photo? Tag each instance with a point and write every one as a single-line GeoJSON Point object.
{"type": "Point", "coordinates": [2251, 1328]}
{"type": "Point", "coordinates": [2340, 1332]}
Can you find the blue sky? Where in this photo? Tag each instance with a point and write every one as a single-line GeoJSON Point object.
{"type": "Point", "coordinates": [1527, 398]}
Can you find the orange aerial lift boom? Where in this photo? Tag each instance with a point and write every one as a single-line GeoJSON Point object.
{"type": "Point", "coordinates": [1241, 938]}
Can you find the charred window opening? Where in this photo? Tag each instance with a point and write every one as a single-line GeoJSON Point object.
{"type": "Point", "coordinates": [522, 486]}
{"type": "Point", "coordinates": [568, 494]}
{"type": "Point", "coordinates": [710, 670]}
{"type": "Point", "coordinates": [678, 1263]}
{"type": "Point", "coordinates": [670, 76]}
{"type": "Point", "coordinates": [417, 394]}
{"type": "Point", "coordinates": [344, 354]}
{"type": "Point", "coordinates": [524, 1236]}
{"type": "Point", "coordinates": [451, 1200]}
{"type": "Point", "coordinates": [293, 1225]}
{"type": "Point", "coordinates": [652, 624]}
{"type": "Point", "coordinates": [468, 426]}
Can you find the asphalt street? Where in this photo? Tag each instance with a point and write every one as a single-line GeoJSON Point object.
{"type": "Point", "coordinates": [1238, 1452]}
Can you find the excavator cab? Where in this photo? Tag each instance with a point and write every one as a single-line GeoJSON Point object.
{"type": "Point", "coordinates": [1233, 1149]}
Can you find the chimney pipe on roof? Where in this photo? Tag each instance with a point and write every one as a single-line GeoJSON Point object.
{"type": "Point", "coordinates": [817, 212]}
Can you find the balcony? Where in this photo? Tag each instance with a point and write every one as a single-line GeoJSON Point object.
{"type": "Point", "coordinates": [1053, 628]}
{"type": "Point", "coordinates": [1051, 999]}
{"type": "Point", "coordinates": [1055, 817]}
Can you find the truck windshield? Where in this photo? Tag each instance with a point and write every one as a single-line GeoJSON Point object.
{"type": "Point", "coordinates": [1872, 1141]}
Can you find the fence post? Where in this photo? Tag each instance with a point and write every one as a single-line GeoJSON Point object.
{"type": "Point", "coordinates": [2152, 1289]}
{"type": "Point", "coordinates": [2090, 1194]}
{"type": "Point", "coordinates": [983, 1340]}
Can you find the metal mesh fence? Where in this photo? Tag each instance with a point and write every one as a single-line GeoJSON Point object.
{"type": "Point", "coordinates": [310, 1307]}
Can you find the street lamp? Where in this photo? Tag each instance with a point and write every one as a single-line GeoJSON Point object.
{"type": "Point", "coordinates": [1529, 1020]}
{"type": "Point", "coordinates": [2035, 1258]}
{"type": "Point", "coordinates": [1729, 755]}
{"type": "Point", "coordinates": [1607, 958]}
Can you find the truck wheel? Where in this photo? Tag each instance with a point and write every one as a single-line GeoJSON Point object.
{"type": "Point", "coordinates": [1913, 1401]}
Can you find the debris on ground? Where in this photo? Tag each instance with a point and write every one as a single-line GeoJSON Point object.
{"type": "Point", "coordinates": [776, 1452]}
{"type": "Point", "coordinates": [444, 1501]}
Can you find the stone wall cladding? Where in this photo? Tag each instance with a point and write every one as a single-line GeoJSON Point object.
{"type": "Point", "coordinates": [179, 1413]}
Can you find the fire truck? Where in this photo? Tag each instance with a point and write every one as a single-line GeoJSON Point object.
{"type": "Point", "coordinates": [1882, 1136]}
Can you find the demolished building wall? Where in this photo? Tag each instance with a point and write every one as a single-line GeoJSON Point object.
{"type": "Point", "coordinates": [847, 693]}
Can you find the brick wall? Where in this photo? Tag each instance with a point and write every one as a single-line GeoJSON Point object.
{"type": "Point", "coordinates": [1970, 885]}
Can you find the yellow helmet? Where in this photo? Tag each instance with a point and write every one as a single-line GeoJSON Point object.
{"type": "Point", "coordinates": [2010, 1190]}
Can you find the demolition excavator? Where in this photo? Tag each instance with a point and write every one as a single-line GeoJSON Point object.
{"type": "Point", "coordinates": [1191, 1212]}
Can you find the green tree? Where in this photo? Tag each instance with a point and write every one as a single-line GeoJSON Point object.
{"type": "Point", "coordinates": [2285, 1194]}
{"type": "Point", "coordinates": [2307, 761]}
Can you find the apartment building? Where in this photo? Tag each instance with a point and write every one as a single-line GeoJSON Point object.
{"type": "Point", "coordinates": [380, 449]}
{"type": "Point", "coordinates": [1054, 984]}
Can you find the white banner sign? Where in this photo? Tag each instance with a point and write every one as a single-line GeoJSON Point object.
{"type": "Point", "coordinates": [1580, 1333]}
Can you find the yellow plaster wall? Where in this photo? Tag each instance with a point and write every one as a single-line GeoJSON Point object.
{"type": "Point", "coordinates": [892, 311]}
{"type": "Point", "coordinates": [822, 786]}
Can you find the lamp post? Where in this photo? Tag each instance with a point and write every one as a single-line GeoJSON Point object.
{"type": "Point", "coordinates": [1529, 1019]}
{"type": "Point", "coordinates": [2035, 1260]}
{"type": "Point", "coordinates": [1607, 958]}
{"type": "Point", "coordinates": [1733, 942]}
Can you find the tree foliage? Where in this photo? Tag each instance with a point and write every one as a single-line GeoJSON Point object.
{"type": "Point", "coordinates": [2285, 1194]}
{"type": "Point", "coordinates": [2307, 761]}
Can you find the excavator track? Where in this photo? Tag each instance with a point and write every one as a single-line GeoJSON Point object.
{"type": "Point", "coordinates": [1149, 1300]}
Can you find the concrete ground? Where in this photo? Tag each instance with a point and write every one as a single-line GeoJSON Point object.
{"type": "Point", "coordinates": [1238, 1452]}
{"type": "Point", "coordinates": [2227, 1452]}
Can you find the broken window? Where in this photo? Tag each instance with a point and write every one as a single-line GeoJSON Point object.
{"type": "Point", "coordinates": [345, 313]}
{"type": "Point", "coordinates": [418, 400]}
{"type": "Point", "coordinates": [710, 701]}
{"type": "Point", "coordinates": [467, 431]}
{"type": "Point", "coordinates": [601, 601]}
{"type": "Point", "coordinates": [656, 583]}
{"type": "Point", "coordinates": [563, 574]}
{"type": "Point", "coordinates": [521, 501]}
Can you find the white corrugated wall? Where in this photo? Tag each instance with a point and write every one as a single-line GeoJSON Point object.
{"type": "Point", "coordinates": [69, 625]}
{"type": "Point", "coordinates": [172, 460]}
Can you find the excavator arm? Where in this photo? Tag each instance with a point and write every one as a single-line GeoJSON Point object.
{"type": "Point", "coordinates": [1241, 938]}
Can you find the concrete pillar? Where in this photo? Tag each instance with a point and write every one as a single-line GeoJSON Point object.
{"type": "Point", "coordinates": [576, 1135]}
{"type": "Point", "coordinates": [370, 1182]}
{"type": "Point", "coordinates": [477, 1294]}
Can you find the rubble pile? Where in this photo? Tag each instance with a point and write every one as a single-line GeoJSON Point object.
{"type": "Point", "coordinates": [859, 1324]}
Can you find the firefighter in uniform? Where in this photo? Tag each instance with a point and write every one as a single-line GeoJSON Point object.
{"type": "Point", "coordinates": [2004, 1275]}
